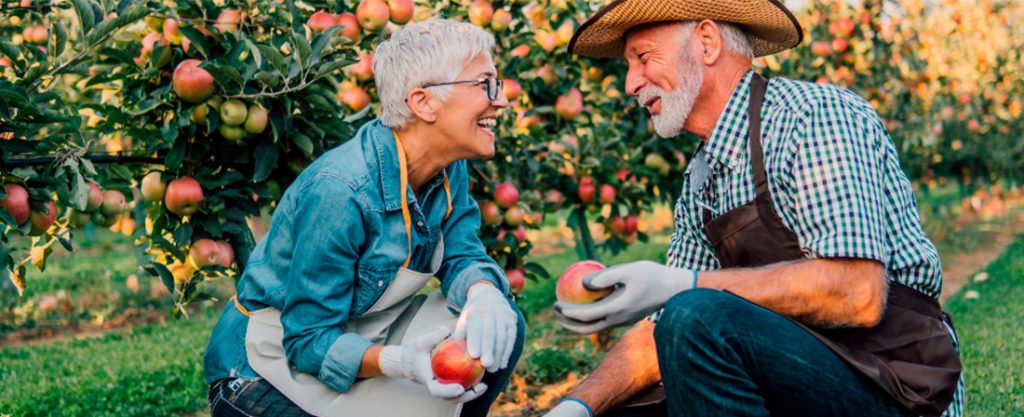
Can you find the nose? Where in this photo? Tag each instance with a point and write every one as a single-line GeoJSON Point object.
{"type": "Point", "coordinates": [501, 101]}
{"type": "Point", "coordinates": [634, 80]}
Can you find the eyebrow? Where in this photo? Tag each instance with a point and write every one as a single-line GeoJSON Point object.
{"type": "Point", "coordinates": [487, 73]}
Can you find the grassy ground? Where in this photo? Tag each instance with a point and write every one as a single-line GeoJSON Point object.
{"type": "Point", "coordinates": [157, 369]}
{"type": "Point", "coordinates": [988, 317]}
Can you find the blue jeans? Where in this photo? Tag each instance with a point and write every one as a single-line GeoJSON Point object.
{"type": "Point", "coordinates": [245, 398]}
{"type": "Point", "coordinates": [721, 355]}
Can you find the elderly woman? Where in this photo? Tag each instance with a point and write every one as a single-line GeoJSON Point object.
{"type": "Point", "coordinates": [327, 320]}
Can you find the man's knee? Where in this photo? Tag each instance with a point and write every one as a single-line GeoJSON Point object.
{"type": "Point", "coordinates": [692, 312]}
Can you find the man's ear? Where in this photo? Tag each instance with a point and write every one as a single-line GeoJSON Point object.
{"type": "Point", "coordinates": [709, 39]}
{"type": "Point", "coordinates": [423, 103]}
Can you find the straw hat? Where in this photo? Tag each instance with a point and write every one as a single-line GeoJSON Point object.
{"type": "Point", "coordinates": [769, 25]}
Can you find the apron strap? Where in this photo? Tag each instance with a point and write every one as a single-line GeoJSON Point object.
{"type": "Point", "coordinates": [403, 167]}
{"type": "Point", "coordinates": [758, 86]}
{"type": "Point", "coordinates": [238, 305]}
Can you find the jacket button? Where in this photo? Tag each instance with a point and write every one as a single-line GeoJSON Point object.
{"type": "Point", "coordinates": [420, 224]}
{"type": "Point", "coordinates": [380, 283]}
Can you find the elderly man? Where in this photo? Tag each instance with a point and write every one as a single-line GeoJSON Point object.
{"type": "Point", "coordinates": [799, 282]}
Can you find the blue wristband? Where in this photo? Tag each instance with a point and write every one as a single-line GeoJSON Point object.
{"type": "Point", "coordinates": [577, 400]}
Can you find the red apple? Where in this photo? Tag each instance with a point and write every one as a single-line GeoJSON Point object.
{"type": "Point", "coordinates": [191, 83]}
{"type": "Point", "coordinates": [227, 253]}
{"type": "Point", "coordinates": [631, 225]}
{"type": "Point", "coordinates": [569, 105]}
{"type": "Point", "coordinates": [401, 11]}
{"type": "Point", "coordinates": [113, 203]}
{"type": "Point", "coordinates": [373, 14]}
{"type": "Point", "coordinates": [570, 285]}
{"type": "Point", "coordinates": [321, 21]}
{"type": "Point", "coordinates": [205, 252]}
{"type": "Point", "coordinates": [501, 20]}
{"type": "Point", "coordinates": [616, 225]}
{"type": "Point", "coordinates": [16, 202]}
{"type": "Point", "coordinates": [840, 44]}
{"type": "Point", "coordinates": [512, 89]}
{"type": "Point", "coordinates": [6, 62]}
{"type": "Point", "coordinates": [821, 48]}
{"type": "Point", "coordinates": [349, 26]}
{"type": "Point", "coordinates": [506, 195]}
{"type": "Point", "coordinates": [452, 364]}
{"type": "Point", "coordinates": [554, 199]}
{"type": "Point", "coordinates": [356, 99]}
{"type": "Point", "coordinates": [256, 119]}
{"type": "Point", "coordinates": [363, 70]}
{"type": "Point", "coordinates": [481, 12]}
{"type": "Point", "coordinates": [228, 20]}
{"type": "Point", "coordinates": [514, 216]}
{"type": "Point", "coordinates": [490, 213]}
{"type": "Point", "coordinates": [183, 196]}
{"type": "Point", "coordinates": [586, 190]}
{"type": "Point", "coordinates": [516, 279]}
{"type": "Point", "coordinates": [153, 186]}
{"type": "Point", "coordinates": [42, 220]}
{"type": "Point", "coordinates": [607, 194]}
{"type": "Point", "coordinates": [520, 233]}
{"type": "Point", "coordinates": [95, 197]}
{"type": "Point", "coordinates": [172, 31]}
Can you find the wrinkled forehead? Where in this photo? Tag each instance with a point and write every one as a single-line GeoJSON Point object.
{"type": "Point", "coordinates": [649, 34]}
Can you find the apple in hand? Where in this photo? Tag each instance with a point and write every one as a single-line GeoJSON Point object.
{"type": "Point", "coordinates": [570, 285]}
{"type": "Point", "coordinates": [452, 364]}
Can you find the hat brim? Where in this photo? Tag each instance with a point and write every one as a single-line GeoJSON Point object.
{"type": "Point", "coordinates": [769, 25]}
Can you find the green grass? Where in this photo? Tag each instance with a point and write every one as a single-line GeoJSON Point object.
{"type": "Point", "coordinates": [153, 370]}
{"type": "Point", "coordinates": [990, 329]}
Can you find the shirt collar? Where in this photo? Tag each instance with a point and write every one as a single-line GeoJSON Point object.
{"type": "Point", "coordinates": [728, 139]}
{"type": "Point", "coordinates": [383, 140]}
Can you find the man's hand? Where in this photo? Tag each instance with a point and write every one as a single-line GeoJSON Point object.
{"type": "Point", "coordinates": [489, 326]}
{"type": "Point", "coordinates": [641, 288]}
{"type": "Point", "coordinates": [412, 361]}
{"type": "Point", "coordinates": [569, 409]}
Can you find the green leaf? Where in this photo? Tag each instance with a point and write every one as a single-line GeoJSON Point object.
{"type": "Point", "coordinates": [320, 41]}
{"type": "Point", "coordinates": [88, 169]}
{"type": "Point", "coordinates": [86, 17]}
{"type": "Point", "coordinates": [256, 55]}
{"type": "Point", "coordinates": [14, 95]}
{"type": "Point", "coordinates": [119, 171]}
{"type": "Point", "coordinates": [265, 156]}
{"type": "Point", "coordinates": [268, 79]}
{"type": "Point", "coordinates": [10, 50]}
{"type": "Point", "coordinates": [275, 57]}
{"type": "Point", "coordinates": [144, 106]}
{"type": "Point", "coordinates": [134, 13]}
{"type": "Point", "coordinates": [303, 142]}
{"type": "Point", "coordinates": [330, 67]}
{"type": "Point", "coordinates": [79, 192]}
{"type": "Point", "coordinates": [222, 72]}
{"type": "Point", "coordinates": [159, 270]}
{"type": "Point", "coordinates": [60, 39]}
{"type": "Point", "coordinates": [198, 40]}
{"type": "Point", "coordinates": [302, 49]}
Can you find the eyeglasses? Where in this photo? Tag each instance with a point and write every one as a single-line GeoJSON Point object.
{"type": "Point", "coordinates": [494, 85]}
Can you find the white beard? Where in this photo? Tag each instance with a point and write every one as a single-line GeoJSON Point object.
{"type": "Point", "coordinates": [676, 105]}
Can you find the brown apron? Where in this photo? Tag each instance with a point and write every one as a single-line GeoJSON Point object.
{"type": "Point", "coordinates": [909, 353]}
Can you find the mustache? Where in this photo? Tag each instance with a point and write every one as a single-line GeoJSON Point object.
{"type": "Point", "coordinates": [648, 93]}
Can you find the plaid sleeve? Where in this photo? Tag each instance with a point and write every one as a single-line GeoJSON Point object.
{"type": "Point", "coordinates": [839, 198]}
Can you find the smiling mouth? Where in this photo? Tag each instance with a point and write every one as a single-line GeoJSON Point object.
{"type": "Point", "coordinates": [650, 105]}
{"type": "Point", "coordinates": [487, 124]}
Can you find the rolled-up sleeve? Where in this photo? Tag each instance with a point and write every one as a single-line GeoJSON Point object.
{"type": "Point", "coordinates": [327, 236]}
{"type": "Point", "coordinates": [465, 259]}
{"type": "Point", "coordinates": [839, 195]}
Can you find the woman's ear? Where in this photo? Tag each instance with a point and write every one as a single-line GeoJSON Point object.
{"type": "Point", "coordinates": [423, 104]}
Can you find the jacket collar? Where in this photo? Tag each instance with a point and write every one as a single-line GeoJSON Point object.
{"type": "Point", "coordinates": [383, 140]}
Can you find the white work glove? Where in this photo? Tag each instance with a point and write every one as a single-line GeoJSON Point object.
{"type": "Point", "coordinates": [412, 361]}
{"type": "Point", "coordinates": [488, 324]}
{"type": "Point", "coordinates": [569, 409]}
{"type": "Point", "coordinates": [640, 288]}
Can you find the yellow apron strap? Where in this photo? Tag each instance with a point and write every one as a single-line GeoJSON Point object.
{"type": "Point", "coordinates": [238, 306]}
{"type": "Point", "coordinates": [404, 184]}
{"type": "Point", "coordinates": [448, 192]}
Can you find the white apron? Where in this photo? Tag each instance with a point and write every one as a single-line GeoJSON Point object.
{"type": "Point", "coordinates": [398, 316]}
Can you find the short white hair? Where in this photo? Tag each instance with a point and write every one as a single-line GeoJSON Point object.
{"type": "Point", "coordinates": [734, 39]}
{"type": "Point", "coordinates": [430, 51]}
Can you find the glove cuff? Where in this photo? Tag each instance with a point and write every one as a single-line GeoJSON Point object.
{"type": "Point", "coordinates": [390, 362]}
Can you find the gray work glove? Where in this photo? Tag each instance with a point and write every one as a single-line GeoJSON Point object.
{"type": "Point", "coordinates": [640, 288]}
{"type": "Point", "coordinates": [488, 324]}
{"type": "Point", "coordinates": [412, 361]}
{"type": "Point", "coordinates": [569, 409]}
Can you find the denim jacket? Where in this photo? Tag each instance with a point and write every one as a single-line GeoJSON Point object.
{"type": "Point", "coordinates": [336, 241]}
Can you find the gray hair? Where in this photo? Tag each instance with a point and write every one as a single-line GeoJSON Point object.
{"type": "Point", "coordinates": [733, 38]}
{"type": "Point", "coordinates": [431, 51]}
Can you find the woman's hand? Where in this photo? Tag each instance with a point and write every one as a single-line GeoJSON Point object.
{"type": "Point", "coordinates": [489, 326]}
{"type": "Point", "coordinates": [412, 361]}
